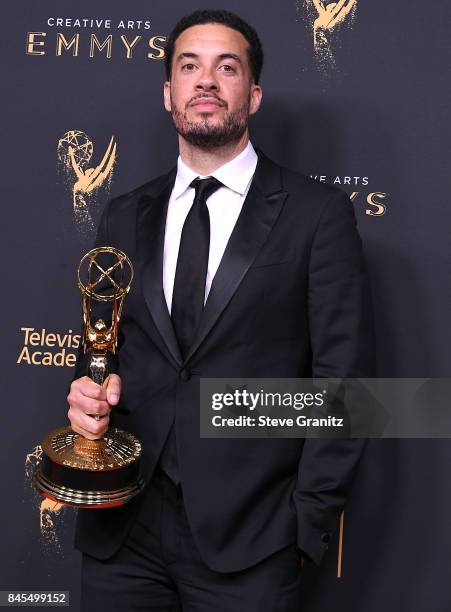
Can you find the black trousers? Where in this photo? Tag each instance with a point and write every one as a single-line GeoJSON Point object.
{"type": "Point", "coordinates": [159, 569]}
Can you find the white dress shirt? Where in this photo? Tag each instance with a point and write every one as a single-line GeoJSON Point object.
{"type": "Point", "coordinates": [224, 207]}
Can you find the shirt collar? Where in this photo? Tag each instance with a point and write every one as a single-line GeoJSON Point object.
{"type": "Point", "coordinates": [236, 174]}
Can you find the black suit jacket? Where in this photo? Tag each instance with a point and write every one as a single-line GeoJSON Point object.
{"type": "Point", "coordinates": [290, 299]}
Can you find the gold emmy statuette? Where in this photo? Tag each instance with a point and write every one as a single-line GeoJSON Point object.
{"type": "Point", "coordinates": [101, 473]}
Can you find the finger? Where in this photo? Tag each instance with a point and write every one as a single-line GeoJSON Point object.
{"type": "Point", "coordinates": [87, 387]}
{"type": "Point", "coordinates": [87, 434]}
{"type": "Point", "coordinates": [88, 405]}
{"type": "Point", "coordinates": [94, 427]}
{"type": "Point", "coordinates": [88, 424]}
{"type": "Point", "coordinates": [113, 389]}
{"type": "Point", "coordinates": [102, 411]}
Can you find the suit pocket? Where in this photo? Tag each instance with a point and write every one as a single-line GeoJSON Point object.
{"type": "Point", "coordinates": [276, 256]}
{"type": "Point", "coordinates": [266, 262]}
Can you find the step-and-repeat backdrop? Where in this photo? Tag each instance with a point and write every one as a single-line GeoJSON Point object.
{"type": "Point", "coordinates": [356, 94]}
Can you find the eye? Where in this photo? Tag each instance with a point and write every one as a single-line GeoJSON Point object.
{"type": "Point", "coordinates": [228, 68]}
{"type": "Point", "coordinates": [188, 67]}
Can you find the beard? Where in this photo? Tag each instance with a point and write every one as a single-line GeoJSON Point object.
{"type": "Point", "coordinates": [207, 135]}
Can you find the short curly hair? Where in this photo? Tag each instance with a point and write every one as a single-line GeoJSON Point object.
{"type": "Point", "coordinates": [226, 18]}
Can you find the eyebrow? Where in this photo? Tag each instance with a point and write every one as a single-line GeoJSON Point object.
{"type": "Point", "coordinates": [221, 56]}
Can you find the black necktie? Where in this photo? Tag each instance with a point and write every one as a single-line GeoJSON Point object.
{"type": "Point", "coordinates": [192, 263]}
{"type": "Point", "coordinates": [189, 291]}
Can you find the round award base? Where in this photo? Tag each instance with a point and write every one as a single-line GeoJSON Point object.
{"type": "Point", "coordinates": [83, 473]}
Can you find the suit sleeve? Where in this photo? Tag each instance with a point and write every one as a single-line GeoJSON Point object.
{"type": "Point", "coordinates": [342, 340]}
{"type": "Point", "coordinates": [81, 365]}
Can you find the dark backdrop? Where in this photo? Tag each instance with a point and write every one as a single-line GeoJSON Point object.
{"type": "Point", "coordinates": [371, 102]}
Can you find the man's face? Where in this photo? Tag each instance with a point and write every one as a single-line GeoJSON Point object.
{"type": "Point", "coordinates": [211, 93]}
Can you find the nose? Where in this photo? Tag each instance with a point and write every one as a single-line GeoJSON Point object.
{"type": "Point", "coordinates": [207, 80]}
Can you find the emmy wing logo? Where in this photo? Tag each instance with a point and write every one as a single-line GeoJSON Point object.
{"type": "Point", "coordinates": [82, 177]}
{"type": "Point", "coordinates": [325, 19]}
{"type": "Point", "coordinates": [49, 521]}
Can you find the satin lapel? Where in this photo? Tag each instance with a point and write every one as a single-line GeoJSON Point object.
{"type": "Point", "coordinates": [151, 224]}
{"type": "Point", "coordinates": [257, 217]}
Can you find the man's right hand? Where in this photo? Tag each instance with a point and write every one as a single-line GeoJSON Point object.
{"type": "Point", "coordinates": [86, 399]}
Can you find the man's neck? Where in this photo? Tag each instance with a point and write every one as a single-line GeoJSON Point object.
{"type": "Point", "coordinates": [205, 162]}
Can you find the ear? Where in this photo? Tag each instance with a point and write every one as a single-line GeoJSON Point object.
{"type": "Point", "coordinates": [167, 96]}
{"type": "Point", "coordinates": [255, 99]}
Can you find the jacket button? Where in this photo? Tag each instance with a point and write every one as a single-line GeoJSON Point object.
{"type": "Point", "coordinates": [325, 538]}
{"type": "Point", "coordinates": [184, 374]}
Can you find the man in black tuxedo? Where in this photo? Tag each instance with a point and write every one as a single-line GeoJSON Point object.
{"type": "Point", "coordinates": [243, 269]}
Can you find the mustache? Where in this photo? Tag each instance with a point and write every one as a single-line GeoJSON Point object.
{"type": "Point", "coordinates": [207, 95]}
